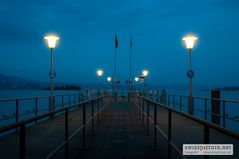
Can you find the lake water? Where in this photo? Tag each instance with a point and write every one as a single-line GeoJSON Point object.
{"type": "Point", "coordinates": [6, 94]}
{"type": "Point", "coordinates": [27, 107]}
{"type": "Point", "coordinates": [8, 109]}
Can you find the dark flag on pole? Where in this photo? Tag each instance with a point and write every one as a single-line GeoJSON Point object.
{"type": "Point", "coordinates": [131, 42]}
{"type": "Point", "coordinates": [116, 41]}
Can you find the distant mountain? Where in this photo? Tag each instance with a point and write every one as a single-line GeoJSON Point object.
{"type": "Point", "coordinates": [12, 83]}
{"type": "Point", "coordinates": [235, 88]}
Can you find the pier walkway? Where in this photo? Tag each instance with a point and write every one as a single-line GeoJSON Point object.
{"type": "Point", "coordinates": [103, 129]}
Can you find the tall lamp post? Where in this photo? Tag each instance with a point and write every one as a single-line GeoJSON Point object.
{"type": "Point", "coordinates": [144, 75]}
{"type": "Point", "coordinates": [100, 74]}
{"type": "Point", "coordinates": [189, 42]}
{"type": "Point", "coordinates": [51, 40]}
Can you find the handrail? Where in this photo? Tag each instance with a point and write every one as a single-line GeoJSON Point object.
{"type": "Point", "coordinates": [70, 98]}
{"type": "Point", "coordinates": [208, 98]}
{"type": "Point", "coordinates": [39, 97]}
{"type": "Point", "coordinates": [199, 120]}
{"type": "Point", "coordinates": [156, 127]}
{"type": "Point", "coordinates": [223, 102]}
{"type": "Point", "coordinates": [22, 124]}
{"type": "Point", "coordinates": [51, 154]}
{"type": "Point", "coordinates": [27, 121]}
{"type": "Point", "coordinates": [168, 137]}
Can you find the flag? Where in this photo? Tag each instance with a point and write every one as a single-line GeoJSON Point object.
{"type": "Point", "coordinates": [131, 42]}
{"type": "Point", "coordinates": [116, 41]}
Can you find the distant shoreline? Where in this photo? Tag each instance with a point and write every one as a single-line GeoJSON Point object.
{"type": "Point", "coordinates": [221, 89]}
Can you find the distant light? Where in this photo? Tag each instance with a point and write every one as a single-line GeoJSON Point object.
{"type": "Point", "coordinates": [100, 72]}
{"type": "Point", "coordinates": [51, 40]}
{"type": "Point", "coordinates": [136, 79]}
{"type": "Point", "coordinates": [189, 41]}
{"type": "Point", "coordinates": [108, 79]}
{"type": "Point", "coordinates": [145, 73]}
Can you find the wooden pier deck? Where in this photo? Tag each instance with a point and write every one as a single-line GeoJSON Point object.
{"type": "Point", "coordinates": [120, 133]}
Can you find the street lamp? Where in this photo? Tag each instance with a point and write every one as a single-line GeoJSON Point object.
{"type": "Point", "coordinates": [136, 81]}
{"type": "Point", "coordinates": [144, 75]}
{"type": "Point", "coordinates": [51, 41]}
{"type": "Point", "coordinates": [99, 73]}
{"type": "Point", "coordinates": [189, 42]}
{"type": "Point", "coordinates": [109, 80]}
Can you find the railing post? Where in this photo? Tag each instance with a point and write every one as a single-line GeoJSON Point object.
{"type": "Point", "coordinates": [79, 98]}
{"type": "Point", "coordinates": [98, 109]}
{"type": "Point", "coordinates": [62, 101]}
{"type": "Point", "coordinates": [205, 108]}
{"type": "Point", "coordinates": [180, 103]}
{"type": "Point", "coordinates": [66, 133]}
{"type": "Point", "coordinates": [168, 100]}
{"type": "Point", "coordinates": [206, 138]}
{"type": "Point", "coordinates": [224, 113]}
{"type": "Point", "coordinates": [22, 143]}
{"type": "Point", "coordinates": [50, 101]}
{"type": "Point", "coordinates": [69, 100]}
{"type": "Point", "coordinates": [169, 132]}
{"type": "Point", "coordinates": [191, 105]}
{"type": "Point", "coordinates": [84, 126]}
{"type": "Point", "coordinates": [143, 113]}
{"type": "Point", "coordinates": [17, 110]}
{"type": "Point", "coordinates": [155, 124]}
{"type": "Point", "coordinates": [54, 103]}
{"type": "Point", "coordinates": [140, 107]}
{"type": "Point", "coordinates": [74, 98]}
{"type": "Point", "coordinates": [148, 117]}
{"type": "Point", "coordinates": [102, 108]}
{"type": "Point", "coordinates": [36, 108]}
{"type": "Point", "coordinates": [216, 111]}
{"type": "Point", "coordinates": [92, 116]}
{"type": "Point", "coordinates": [173, 101]}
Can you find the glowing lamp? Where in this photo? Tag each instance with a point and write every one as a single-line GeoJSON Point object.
{"type": "Point", "coordinates": [108, 79]}
{"type": "Point", "coordinates": [136, 79]}
{"type": "Point", "coordinates": [100, 72]}
{"type": "Point", "coordinates": [189, 41]}
{"type": "Point", "coordinates": [145, 73]}
{"type": "Point", "coordinates": [51, 40]}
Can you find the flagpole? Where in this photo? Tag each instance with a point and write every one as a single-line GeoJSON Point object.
{"type": "Point", "coordinates": [130, 65]}
{"type": "Point", "coordinates": [130, 76]}
{"type": "Point", "coordinates": [115, 76]}
{"type": "Point", "coordinates": [115, 80]}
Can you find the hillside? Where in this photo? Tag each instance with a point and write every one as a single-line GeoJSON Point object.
{"type": "Point", "coordinates": [12, 82]}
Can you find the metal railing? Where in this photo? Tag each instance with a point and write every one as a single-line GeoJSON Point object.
{"type": "Point", "coordinates": [144, 113]}
{"type": "Point", "coordinates": [29, 107]}
{"type": "Point", "coordinates": [202, 107]}
{"type": "Point", "coordinates": [101, 105]}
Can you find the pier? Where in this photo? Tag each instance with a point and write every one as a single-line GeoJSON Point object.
{"type": "Point", "coordinates": [108, 127]}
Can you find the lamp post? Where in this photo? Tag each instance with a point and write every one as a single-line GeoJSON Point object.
{"type": "Point", "coordinates": [109, 80]}
{"type": "Point", "coordinates": [144, 75]}
{"type": "Point", "coordinates": [189, 42]}
{"type": "Point", "coordinates": [100, 74]}
{"type": "Point", "coordinates": [51, 40]}
{"type": "Point", "coordinates": [136, 81]}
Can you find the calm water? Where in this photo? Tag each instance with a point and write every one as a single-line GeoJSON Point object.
{"type": "Point", "coordinates": [27, 107]}
{"type": "Point", "coordinates": [7, 109]}
{"type": "Point", "coordinates": [5, 94]}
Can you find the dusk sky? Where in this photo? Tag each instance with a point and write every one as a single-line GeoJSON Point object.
{"type": "Point", "coordinates": [86, 29]}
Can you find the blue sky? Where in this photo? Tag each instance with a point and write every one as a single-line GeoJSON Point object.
{"type": "Point", "coordinates": [87, 29]}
